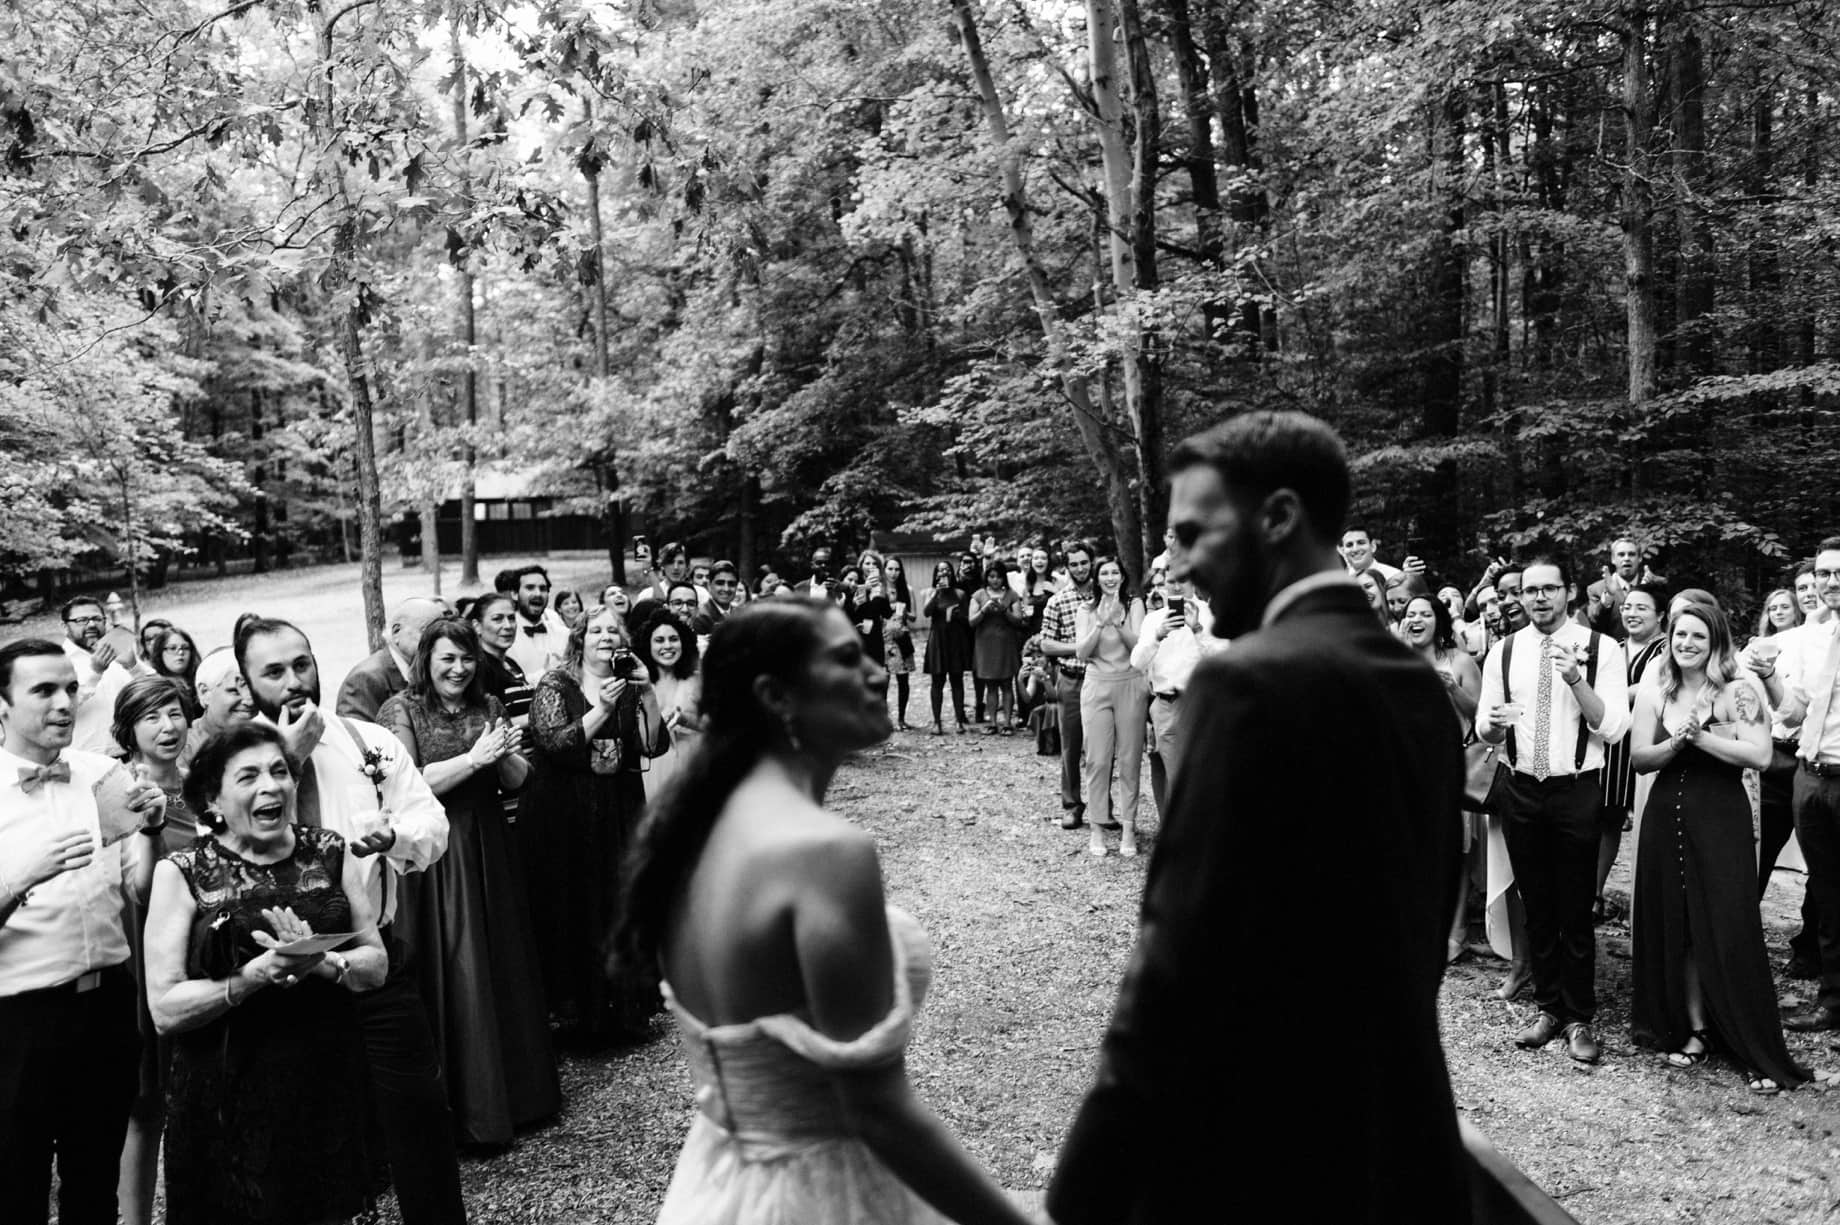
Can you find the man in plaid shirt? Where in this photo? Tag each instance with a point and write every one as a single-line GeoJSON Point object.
{"type": "Point", "coordinates": [1057, 638]}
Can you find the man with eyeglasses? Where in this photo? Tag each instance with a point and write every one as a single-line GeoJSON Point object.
{"type": "Point", "coordinates": [1557, 694]}
{"type": "Point", "coordinates": [100, 675]}
{"type": "Point", "coordinates": [1805, 700]}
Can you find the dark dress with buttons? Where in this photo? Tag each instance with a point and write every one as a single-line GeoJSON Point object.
{"type": "Point", "coordinates": [1696, 896]}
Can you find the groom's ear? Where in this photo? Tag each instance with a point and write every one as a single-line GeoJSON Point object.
{"type": "Point", "coordinates": [1279, 517]}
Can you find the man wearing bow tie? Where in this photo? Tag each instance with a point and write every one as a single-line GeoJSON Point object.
{"type": "Point", "coordinates": [69, 1045]}
{"type": "Point", "coordinates": [542, 635]}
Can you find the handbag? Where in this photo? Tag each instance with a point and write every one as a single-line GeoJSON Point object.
{"type": "Point", "coordinates": [606, 756]}
{"type": "Point", "coordinates": [1481, 761]}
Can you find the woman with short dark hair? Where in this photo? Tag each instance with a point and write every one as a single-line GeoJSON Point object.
{"type": "Point", "coordinates": [269, 1107]}
{"type": "Point", "coordinates": [467, 911]}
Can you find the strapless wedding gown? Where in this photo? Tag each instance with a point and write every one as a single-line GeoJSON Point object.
{"type": "Point", "coordinates": [770, 1144]}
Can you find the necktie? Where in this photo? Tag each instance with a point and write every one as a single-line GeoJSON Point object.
{"type": "Point", "coordinates": [531, 631]}
{"type": "Point", "coordinates": [306, 796]}
{"type": "Point", "coordinates": [1820, 698]}
{"type": "Point", "coordinates": [33, 777]}
{"type": "Point", "coordinates": [1542, 715]}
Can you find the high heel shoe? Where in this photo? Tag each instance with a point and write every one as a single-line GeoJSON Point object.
{"type": "Point", "coordinates": [1519, 976]}
{"type": "Point", "coordinates": [937, 730]}
{"type": "Point", "coordinates": [962, 729]}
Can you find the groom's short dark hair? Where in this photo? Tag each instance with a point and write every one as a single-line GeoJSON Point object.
{"type": "Point", "coordinates": [1258, 453]}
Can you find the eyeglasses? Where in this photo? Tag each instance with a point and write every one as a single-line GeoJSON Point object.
{"type": "Point", "coordinates": [1826, 576]}
{"type": "Point", "coordinates": [84, 620]}
{"type": "Point", "coordinates": [1537, 591]}
{"type": "Point", "coordinates": [681, 604]}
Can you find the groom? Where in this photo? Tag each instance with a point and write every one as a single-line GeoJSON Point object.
{"type": "Point", "coordinates": [1316, 811]}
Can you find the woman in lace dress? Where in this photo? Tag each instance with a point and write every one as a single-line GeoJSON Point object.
{"type": "Point", "coordinates": [793, 989]}
{"type": "Point", "coordinates": [268, 1108]}
{"type": "Point", "coordinates": [477, 968]}
{"type": "Point", "coordinates": [592, 719]}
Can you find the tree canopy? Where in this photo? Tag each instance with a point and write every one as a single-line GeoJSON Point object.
{"type": "Point", "coordinates": [777, 272]}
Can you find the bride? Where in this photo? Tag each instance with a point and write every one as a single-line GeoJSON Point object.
{"type": "Point", "coordinates": [793, 987]}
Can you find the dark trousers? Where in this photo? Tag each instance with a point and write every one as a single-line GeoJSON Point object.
{"type": "Point", "coordinates": [1817, 825]}
{"type": "Point", "coordinates": [1553, 837]}
{"type": "Point", "coordinates": [418, 1127]}
{"type": "Point", "coordinates": [1775, 822]}
{"type": "Point", "coordinates": [1067, 690]}
{"type": "Point", "coordinates": [69, 1066]}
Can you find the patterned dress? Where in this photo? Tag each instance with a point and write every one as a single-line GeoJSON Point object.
{"type": "Point", "coordinates": [269, 1105]}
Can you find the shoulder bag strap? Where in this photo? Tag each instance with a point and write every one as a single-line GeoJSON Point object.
{"type": "Point", "coordinates": [1590, 680]}
{"type": "Point", "coordinates": [1507, 653]}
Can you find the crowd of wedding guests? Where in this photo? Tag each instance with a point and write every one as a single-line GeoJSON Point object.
{"type": "Point", "coordinates": [355, 931]}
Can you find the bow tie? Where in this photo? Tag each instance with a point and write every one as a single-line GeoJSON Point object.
{"type": "Point", "coordinates": [531, 631]}
{"type": "Point", "coordinates": [33, 777]}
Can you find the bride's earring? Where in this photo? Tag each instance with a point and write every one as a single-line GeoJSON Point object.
{"type": "Point", "coordinates": [792, 735]}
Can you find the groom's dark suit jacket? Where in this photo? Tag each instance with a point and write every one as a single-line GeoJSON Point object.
{"type": "Point", "coordinates": [1274, 1052]}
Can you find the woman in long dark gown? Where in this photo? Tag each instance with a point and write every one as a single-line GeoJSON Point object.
{"type": "Point", "coordinates": [948, 641]}
{"type": "Point", "coordinates": [466, 914]}
{"type": "Point", "coordinates": [592, 719]}
{"type": "Point", "coordinates": [269, 1106]}
{"type": "Point", "coordinates": [1700, 974]}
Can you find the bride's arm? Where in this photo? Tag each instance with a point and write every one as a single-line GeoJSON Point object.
{"type": "Point", "coordinates": [841, 931]}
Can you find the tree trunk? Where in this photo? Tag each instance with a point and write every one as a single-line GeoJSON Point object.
{"type": "Point", "coordinates": [1637, 204]}
{"type": "Point", "coordinates": [1694, 340]}
{"type": "Point", "coordinates": [1198, 155]}
{"type": "Point", "coordinates": [1147, 412]}
{"type": "Point", "coordinates": [1443, 325]}
{"type": "Point", "coordinates": [466, 317]}
{"type": "Point", "coordinates": [1107, 458]}
{"type": "Point", "coordinates": [1236, 105]}
{"type": "Point", "coordinates": [613, 514]}
{"type": "Point", "coordinates": [1765, 267]}
{"type": "Point", "coordinates": [339, 288]}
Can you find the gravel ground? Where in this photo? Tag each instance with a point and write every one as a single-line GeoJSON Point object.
{"type": "Point", "coordinates": [1031, 938]}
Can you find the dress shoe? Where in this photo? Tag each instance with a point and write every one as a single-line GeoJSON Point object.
{"type": "Point", "coordinates": [1819, 1021]}
{"type": "Point", "coordinates": [1581, 1043]}
{"type": "Point", "coordinates": [1073, 818]}
{"type": "Point", "coordinates": [1801, 967]}
{"type": "Point", "coordinates": [1542, 1031]}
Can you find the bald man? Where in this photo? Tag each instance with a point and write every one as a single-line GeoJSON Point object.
{"type": "Point", "coordinates": [386, 670]}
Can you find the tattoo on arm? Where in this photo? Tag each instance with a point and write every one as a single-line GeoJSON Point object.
{"type": "Point", "coordinates": [1750, 706]}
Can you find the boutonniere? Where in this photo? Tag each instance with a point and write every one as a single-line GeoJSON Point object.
{"type": "Point", "coordinates": [373, 768]}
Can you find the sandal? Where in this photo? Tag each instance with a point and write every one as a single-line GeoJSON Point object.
{"type": "Point", "coordinates": [1761, 1085]}
{"type": "Point", "coordinates": [1684, 1058]}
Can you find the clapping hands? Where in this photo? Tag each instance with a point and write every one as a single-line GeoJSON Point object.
{"type": "Point", "coordinates": [498, 741]}
{"type": "Point", "coordinates": [275, 968]}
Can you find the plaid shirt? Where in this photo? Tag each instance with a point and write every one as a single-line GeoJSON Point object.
{"type": "Point", "coordinates": [1057, 625]}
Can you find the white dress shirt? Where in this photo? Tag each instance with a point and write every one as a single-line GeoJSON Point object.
{"type": "Point", "coordinates": [1794, 645]}
{"type": "Point", "coordinates": [538, 653]}
{"type": "Point", "coordinates": [71, 924]}
{"type": "Point", "coordinates": [1803, 673]}
{"type": "Point", "coordinates": [96, 696]}
{"type": "Point", "coordinates": [348, 805]}
{"type": "Point", "coordinates": [1611, 686]}
{"type": "Point", "coordinates": [1170, 662]}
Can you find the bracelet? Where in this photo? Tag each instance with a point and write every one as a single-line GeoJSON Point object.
{"type": "Point", "coordinates": [228, 1002]}
{"type": "Point", "coordinates": [154, 830]}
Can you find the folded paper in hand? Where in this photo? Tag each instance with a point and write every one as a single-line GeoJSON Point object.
{"type": "Point", "coordinates": [306, 946]}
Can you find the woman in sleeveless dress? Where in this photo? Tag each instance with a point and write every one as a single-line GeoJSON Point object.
{"type": "Point", "coordinates": [269, 1107]}
{"type": "Point", "coordinates": [1427, 628]}
{"type": "Point", "coordinates": [1114, 705]}
{"type": "Point", "coordinates": [467, 915]}
{"type": "Point", "coordinates": [667, 644]}
{"type": "Point", "coordinates": [793, 989]}
{"type": "Point", "coordinates": [1699, 974]}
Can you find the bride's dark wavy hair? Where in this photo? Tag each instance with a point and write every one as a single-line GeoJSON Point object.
{"type": "Point", "coordinates": [776, 638]}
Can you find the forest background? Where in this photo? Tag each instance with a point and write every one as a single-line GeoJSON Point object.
{"type": "Point", "coordinates": [776, 272]}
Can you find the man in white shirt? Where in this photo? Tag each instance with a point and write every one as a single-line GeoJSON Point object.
{"type": "Point", "coordinates": [1806, 700]}
{"type": "Point", "coordinates": [819, 586]}
{"type": "Point", "coordinates": [1172, 641]}
{"type": "Point", "coordinates": [100, 676]}
{"type": "Point", "coordinates": [69, 1042]}
{"type": "Point", "coordinates": [542, 638]}
{"type": "Point", "coordinates": [1566, 698]}
{"type": "Point", "coordinates": [358, 779]}
{"type": "Point", "coordinates": [1776, 811]}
